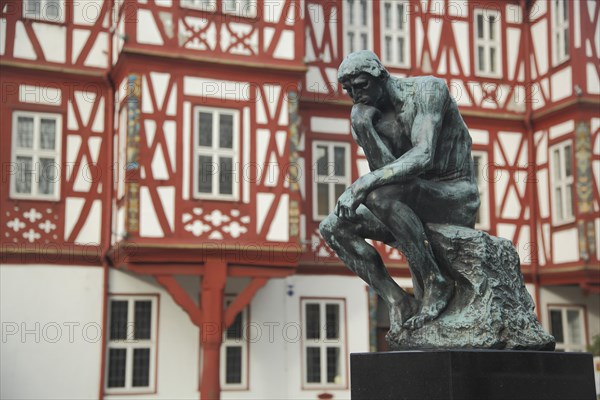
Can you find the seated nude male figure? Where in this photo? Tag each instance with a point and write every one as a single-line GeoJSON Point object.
{"type": "Point", "coordinates": [419, 153]}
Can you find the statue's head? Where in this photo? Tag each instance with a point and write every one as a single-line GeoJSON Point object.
{"type": "Point", "coordinates": [363, 76]}
{"type": "Point", "coordinates": [361, 61]}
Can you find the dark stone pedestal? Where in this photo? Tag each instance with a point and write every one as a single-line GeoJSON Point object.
{"type": "Point", "coordinates": [472, 374]}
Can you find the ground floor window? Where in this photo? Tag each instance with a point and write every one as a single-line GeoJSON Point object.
{"type": "Point", "coordinates": [567, 325]}
{"type": "Point", "coordinates": [131, 344]}
{"type": "Point", "coordinates": [234, 352]}
{"type": "Point", "coordinates": [323, 345]}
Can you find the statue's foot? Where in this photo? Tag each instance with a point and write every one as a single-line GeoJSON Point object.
{"type": "Point", "coordinates": [400, 312]}
{"type": "Point", "coordinates": [435, 300]}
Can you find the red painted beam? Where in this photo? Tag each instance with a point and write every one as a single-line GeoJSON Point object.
{"type": "Point", "coordinates": [181, 297]}
{"type": "Point", "coordinates": [213, 287]}
{"type": "Point", "coordinates": [166, 269]}
{"type": "Point", "coordinates": [243, 299]}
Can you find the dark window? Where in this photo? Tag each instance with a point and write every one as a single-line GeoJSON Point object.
{"type": "Point", "coordinates": [143, 319]}
{"type": "Point", "coordinates": [116, 368]}
{"type": "Point", "coordinates": [233, 364]}
{"type": "Point", "coordinates": [313, 364]}
{"type": "Point", "coordinates": [141, 367]}
{"type": "Point", "coordinates": [313, 330]}
{"type": "Point", "coordinates": [118, 320]}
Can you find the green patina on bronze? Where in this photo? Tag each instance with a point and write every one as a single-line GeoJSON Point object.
{"type": "Point", "coordinates": [421, 197]}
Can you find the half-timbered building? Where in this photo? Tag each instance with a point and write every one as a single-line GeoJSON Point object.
{"type": "Point", "coordinates": [166, 164]}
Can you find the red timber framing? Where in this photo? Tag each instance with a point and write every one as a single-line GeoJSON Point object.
{"type": "Point", "coordinates": [213, 265]}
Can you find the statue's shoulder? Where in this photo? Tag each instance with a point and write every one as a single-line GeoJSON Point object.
{"type": "Point", "coordinates": [419, 83]}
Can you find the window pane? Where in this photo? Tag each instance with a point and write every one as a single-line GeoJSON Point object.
{"type": "Point", "coordinates": [333, 365]}
{"type": "Point", "coordinates": [322, 199]}
{"type": "Point", "coordinates": [565, 13]}
{"type": "Point", "coordinates": [322, 160]}
{"type": "Point", "coordinates": [206, 171]}
{"type": "Point", "coordinates": [143, 319]}
{"type": "Point", "coordinates": [566, 42]}
{"type": "Point", "coordinates": [233, 364]}
{"type": "Point", "coordinates": [388, 15]}
{"type": "Point", "coordinates": [32, 7]}
{"type": "Point", "coordinates": [363, 12]}
{"type": "Point", "coordinates": [339, 157]}
{"type": "Point", "coordinates": [480, 55]}
{"type": "Point", "coordinates": [339, 189]}
{"type": "Point", "coordinates": [388, 48]}
{"type": "Point", "coordinates": [48, 175]}
{"type": "Point", "coordinates": [569, 200]}
{"type": "Point", "coordinates": [24, 174]}
{"type": "Point", "coordinates": [401, 50]}
{"type": "Point", "coordinates": [556, 326]}
{"type": "Point", "coordinates": [400, 16]}
{"type": "Point", "coordinates": [351, 41]}
{"type": "Point", "coordinates": [480, 26]}
{"type": "Point", "coordinates": [118, 319]}
{"type": "Point", "coordinates": [235, 330]}
{"type": "Point", "coordinates": [559, 204]}
{"type": "Point", "coordinates": [557, 165]}
{"type": "Point", "coordinates": [225, 175]}
{"type": "Point", "coordinates": [313, 319]}
{"type": "Point", "coordinates": [313, 365]}
{"type": "Point", "coordinates": [47, 134]}
{"type": "Point", "coordinates": [574, 324]}
{"type": "Point", "coordinates": [25, 132]}
{"type": "Point", "coordinates": [226, 131]}
{"type": "Point", "coordinates": [350, 12]}
{"type": "Point", "coordinates": [52, 9]}
{"type": "Point", "coordinates": [332, 315]}
{"type": "Point", "coordinates": [492, 26]}
{"type": "Point", "coordinates": [116, 368]}
{"type": "Point", "coordinates": [141, 368]}
{"type": "Point", "coordinates": [568, 161]}
{"type": "Point", "coordinates": [492, 59]}
{"type": "Point", "coordinates": [205, 134]}
{"type": "Point", "coordinates": [363, 39]}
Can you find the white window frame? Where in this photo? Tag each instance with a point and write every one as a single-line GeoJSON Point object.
{"type": "Point", "coordinates": [231, 342]}
{"type": "Point", "coordinates": [481, 173]}
{"type": "Point", "coordinates": [240, 8]}
{"type": "Point", "coordinates": [564, 183]}
{"type": "Point", "coordinates": [569, 344]}
{"type": "Point", "coordinates": [203, 5]}
{"type": "Point", "coordinates": [29, 11]}
{"type": "Point", "coordinates": [215, 151]}
{"type": "Point", "coordinates": [324, 343]}
{"type": "Point", "coordinates": [560, 31]}
{"type": "Point", "coordinates": [394, 33]}
{"type": "Point", "coordinates": [330, 179]}
{"type": "Point", "coordinates": [36, 153]}
{"type": "Point", "coordinates": [487, 43]}
{"type": "Point", "coordinates": [356, 28]}
{"type": "Point", "coordinates": [130, 343]}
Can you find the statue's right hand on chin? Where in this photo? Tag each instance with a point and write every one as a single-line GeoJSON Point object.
{"type": "Point", "coordinates": [364, 116]}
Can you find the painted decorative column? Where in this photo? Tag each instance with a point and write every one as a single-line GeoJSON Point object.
{"type": "Point", "coordinates": [584, 186]}
{"type": "Point", "coordinates": [132, 176]}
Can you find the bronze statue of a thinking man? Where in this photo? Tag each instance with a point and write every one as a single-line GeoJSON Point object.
{"type": "Point", "coordinates": [419, 153]}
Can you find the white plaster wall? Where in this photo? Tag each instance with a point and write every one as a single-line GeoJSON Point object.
{"type": "Point", "coordinates": [61, 309]}
{"type": "Point", "coordinates": [275, 349]}
{"type": "Point", "coordinates": [178, 340]}
{"type": "Point", "coordinates": [575, 296]}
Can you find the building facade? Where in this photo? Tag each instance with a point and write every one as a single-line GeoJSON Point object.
{"type": "Point", "coordinates": [166, 165]}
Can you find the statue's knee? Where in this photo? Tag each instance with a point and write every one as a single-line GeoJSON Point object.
{"type": "Point", "coordinates": [327, 226]}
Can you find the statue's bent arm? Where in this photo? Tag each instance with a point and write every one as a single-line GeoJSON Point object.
{"type": "Point", "coordinates": [424, 134]}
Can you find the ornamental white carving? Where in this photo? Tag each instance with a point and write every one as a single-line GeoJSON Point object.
{"type": "Point", "coordinates": [216, 224]}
